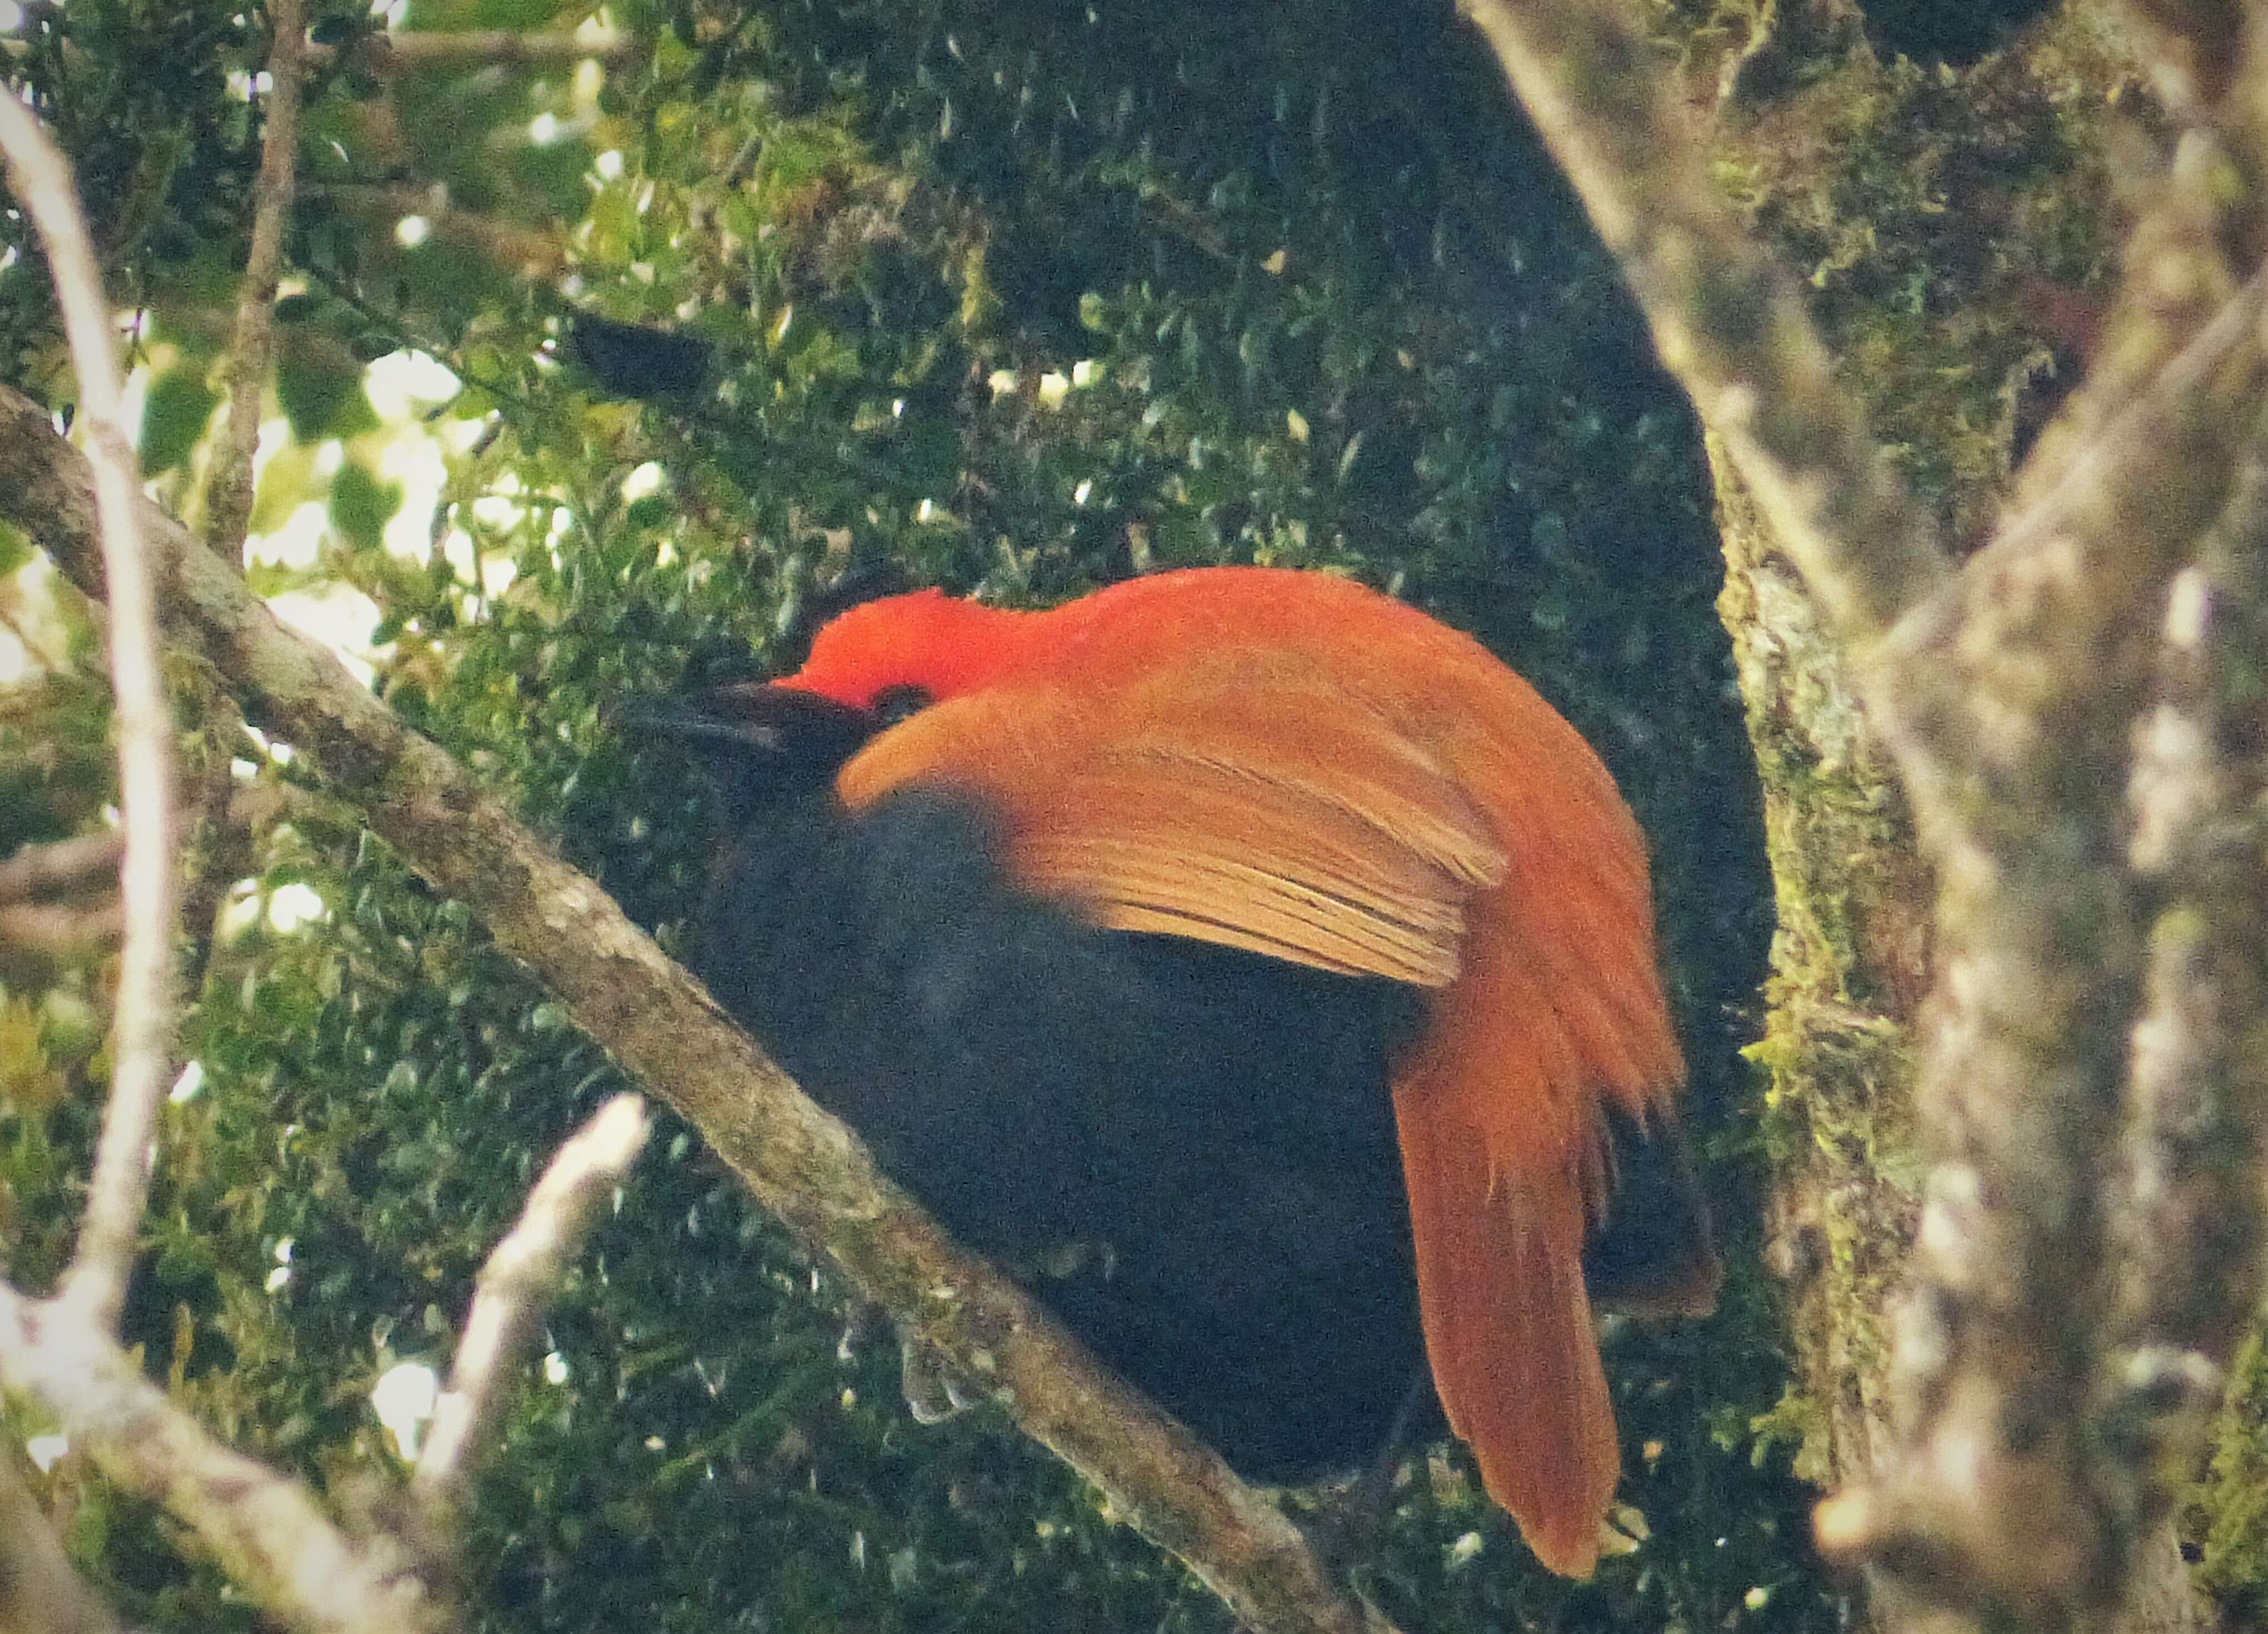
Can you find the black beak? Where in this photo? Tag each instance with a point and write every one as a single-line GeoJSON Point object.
{"type": "Point", "coordinates": [676, 717]}
{"type": "Point", "coordinates": [756, 738]}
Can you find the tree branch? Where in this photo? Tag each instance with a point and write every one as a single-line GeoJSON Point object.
{"type": "Point", "coordinates": [2191, 230]}
{"type": "Point", "coordinates": [2024, 1483]}
{"type": "Point", "coordinates": [267, 1529]}
{"type": "Point", "coordinates": [521, 1276]}
{"type": "Point", "coordinates": [2200, 1085]}
{"type": "Point", "coordinates": [40, 1593]}
{"type": "Point", "coordinates": [141, 1027]}
{"type": "Point", "coordinates": [804, 1167]}
{"type": "Point", "coordinates": [60, 932]}
{"type": "Point", "coordinates": [535, 255]}
{"type": "Point", "coordinates": [409, 50]}
{"type": "Point", "coordinates": [229, 492]}
{"type": "Point", "coordinates": [2008, 695]}
{"type": "Point", "coordinates": [60, 866]}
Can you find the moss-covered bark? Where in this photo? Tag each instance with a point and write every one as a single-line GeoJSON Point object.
{"type": "Point", "coordinates": [1849, 962]}
{"type": "Point", "coordinates": [1952, 217]}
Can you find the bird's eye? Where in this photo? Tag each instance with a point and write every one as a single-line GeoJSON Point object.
{"type": "Point", "coordinates": [892, 705]}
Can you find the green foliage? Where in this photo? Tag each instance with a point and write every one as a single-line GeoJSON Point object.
{"type": "Point", "coordinates": [174, 417]}
{"type": "Point", "coordinates": [56, 769]}
{"type": "Point", "coordinates": [322, 394]}
{"type": "Point", "coordinates": [361, 506]}
{"type": "Point", "coordinates": [1027, 297]}
{"type": "Point", "coordinates": [2230, 1511]}
{"type": "Point", "coordinates": [1951, 221]}
{"type": "Point", "coordinates": [137, 92]}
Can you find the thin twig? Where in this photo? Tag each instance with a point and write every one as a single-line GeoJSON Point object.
{"type": "Point", "coordinates": [266, 1528]}
{"type": "Point", "coordinates": [40, 1593]}
{"type": "Point", "coordinates": [532, 253]}
{"type": "Point", "coordinates": [41, 179]}
{"type": "Point", "coordinates": [391, 325]}
{"type": "Point", "coordinates": [228, 494]}
{"type": "Point", "coordinates": [520, 1279]}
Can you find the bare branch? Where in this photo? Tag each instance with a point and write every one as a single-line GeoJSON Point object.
{"type": "Point", "coordinates": [40, 1591]}
{"type": "Point", "coordinates": [1726, 321]}
{"type": "Point", "coordinates": [520, 1278]}
{"type": "Point", "coordinates": [61, 931]}
{"type": "Point", "coordinates": [532, 253]}
{"type": "Point", "coordinates": [2199, 1090]}
{"type": "Point", "coordinates": [803, 1165]}
{"type": "Point", "coordinates": [228, 494]}
{"type": "Point", "coordinates": [2021, 1487]}
{"type": "Point", "coordinates": [41, 179]}
{"type": "Point", "coordinates": [2197, 230]}
{"type": "Point", "coordinates": [266, 1528]}
{"type": "Point", "coordinates": [410, 51]}
{"type": "Point", "coordinates": [2148, 436]}
{"type": "Point", "coordinates": [2192, 49]}
{"type": "Point", "coordinates": [60, 866]}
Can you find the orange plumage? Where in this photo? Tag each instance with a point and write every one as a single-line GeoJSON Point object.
{"type": "Point", "coordinates": [1294, 765]}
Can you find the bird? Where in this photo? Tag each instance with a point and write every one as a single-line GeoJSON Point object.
{"type": "Point", "coordinates": [1257, 968]}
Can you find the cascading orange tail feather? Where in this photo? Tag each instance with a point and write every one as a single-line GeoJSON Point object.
{"type": "Point", "coordinates": [1508, 1330]}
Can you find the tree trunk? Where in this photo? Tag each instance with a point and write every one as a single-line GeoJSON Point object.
{"type": "Point", "coordinates": [1953, 210]}
{"type": "Point", "coordinates": [1850, 968]}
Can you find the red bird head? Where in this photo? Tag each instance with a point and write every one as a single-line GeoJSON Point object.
{"type": "Point", "coordinates": [925, 640]}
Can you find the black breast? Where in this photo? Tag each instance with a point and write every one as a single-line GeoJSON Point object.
{"type": "Point", "coordinates": [1187, 1152]}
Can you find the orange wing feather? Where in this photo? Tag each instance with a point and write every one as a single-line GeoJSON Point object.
{"type": "Point", "coordinates": [1293, 764]}
{"type": "Point", "coordinates": [1271, 818]}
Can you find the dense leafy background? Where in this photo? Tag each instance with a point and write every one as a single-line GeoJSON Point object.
{"type": "Point", "coordinates": [1027, 297]}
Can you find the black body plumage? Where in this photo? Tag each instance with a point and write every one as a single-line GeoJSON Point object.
{"type": "Point", "coordinates": [639, 360]}
{"type": "Point", "coordinates": [1186, 1152]}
